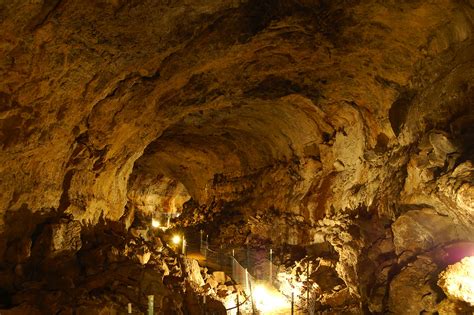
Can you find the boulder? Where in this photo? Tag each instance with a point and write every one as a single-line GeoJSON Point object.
{"type": "Point", "coordinates": [62, 238]}
{"type": "Point", "coordinates": [194, 271]}
{"type": "Point", "coordinates": [410, 290]}
{"type": "Point", "coordinates": [450, 307]}
{"type": "Point", "coordinates": [442, 145]}
{"type": "Point", "coordinates": [151, 283]}
{"type": "Point", "coordinates": [206, 287]}
{"type": "Point", "coordinates": [66, 237]}
{"type": "Point", "coordinates": [212, 282]}
{"type": "Point", "coordinates": [337, 299]}
{"type": "Point", "coordinates": [157, 244]}
{"type": "Point", "coordinates": [420, 230]}
{"type": "Point", "coordinates": [219, 276]}
{"type": "Point", "coordinates": [143, 255]}
{"type": "Point", "coordinates": [113, 255]}
{"type": "Point", "coordinates": [221, 294]}
{"type": "Point", "coordinates": [326, 277]}
{"type": "Point", "coordinates": [166, 270]}
{"type": "Point", "coordinates": [457, 280]}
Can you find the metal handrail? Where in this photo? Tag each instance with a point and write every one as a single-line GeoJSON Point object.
{"type": "Point", "coordinates": [240, 304]}
{"type": "Point", "coordinates": [262, 261]}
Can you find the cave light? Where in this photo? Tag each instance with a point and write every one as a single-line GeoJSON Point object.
{"type": "Point", "coordinates": [155, 223]}
{"type": "Point", "coordinates": [268, 300]}
{"type": "Point", "coordinates": [176, 239]}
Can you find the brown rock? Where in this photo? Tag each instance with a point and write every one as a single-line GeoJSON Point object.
{"type": "Point", "coordinates": [63, 238]}
{"type": "Point", "coordinates": [287, 121]}
{"type": "Point", "coordinates": [212, 282]}
{"type": "Point", "coordinates": [194, 271]}
{"type": "Point", "coordinates": [326, 278]}
{"type": "Point", "coordinates": [19, 251]}
{"type": "Point", "coordinates": [419, 230]}
{"type": "Point", "coordinates": [143, 255]}
{"type": "Point", "coordinates": [166, 270]}
{"type": "Point", "coordinates": [219, 276]}
{"type": "Point", "coordinates": [442, 145]}
{"type": "Point", "coordinates": [410, 290]}
{"type": "Point", "coordinates": [338, 299]}
{"type": "Point", "coordinates": [21, 310]}
{"type": "Point", "coordinates": [450, 307]}
{"type": "Point", "coordinates": [66, 237]}
{"type": "Point", "coordinates": [151, 283]}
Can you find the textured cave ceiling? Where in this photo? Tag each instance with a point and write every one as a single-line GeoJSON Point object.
{"type": "Point", "coordinates": [312, 107]}
{"type": "Point", "coordinates": [216, 88]}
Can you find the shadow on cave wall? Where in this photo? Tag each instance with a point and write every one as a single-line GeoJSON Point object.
{"type": "Point", "coordinates": [22, 228]}
{"type": "Point", "coordinates": [53, 263]}
{"type": "Point", "coordinates": [399, 111]}
{"type": "Point", "coordinates": [25, 251]}
{"type": "Point", "coordinates": [23, 223]}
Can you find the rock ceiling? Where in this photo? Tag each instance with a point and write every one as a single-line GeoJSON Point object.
{"type": "Point", "coordinates": [325, 110]}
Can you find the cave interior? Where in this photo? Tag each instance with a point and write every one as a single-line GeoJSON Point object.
{"type": "Point", "coordinates": [325, 147]}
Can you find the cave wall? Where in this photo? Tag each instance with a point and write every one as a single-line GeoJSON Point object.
{"type": "Point", "coordinates": [86, 89]}
{"type": "Point", "coordinates": [352, 119]}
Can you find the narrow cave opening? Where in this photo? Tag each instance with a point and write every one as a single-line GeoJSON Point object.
{"type": "Point", "coordinates": [155, 198]}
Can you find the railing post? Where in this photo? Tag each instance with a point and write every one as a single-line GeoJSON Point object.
{"type": "Point", "coordinates": [233, 264]}
{"type": "Point", "coordinates": [246, 280]}
{"type": "Point", "coordinates": [271, 266]}
{"type": "Point", "coordinates": [183, 250]}
{"type": "Point", "coordinates": [307, 286]}
{"type": "Point", "coordinates": [254, 310]}
{"type": "Point", "coordinates": [150, 305]}
{"type": "Point", "coordinates": [219, 256]}
{"type": "Point", "coordinates": [204, 302]}
{"type": "Point", "coordinates": [207, 246]}
{"type": "Point", "coordinates": [200, 243]}
{"type": "Point", "coordinates": [248, 257]}
{"type": "Point", "coordinates": [292, 302]}
{"type": "Point", "coordinates": [238, 306]}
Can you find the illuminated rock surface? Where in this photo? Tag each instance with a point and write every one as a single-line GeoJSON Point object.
{"type": "Point", "coordinates": [457, 280]}
{"type": "Point", "coordinates": [338, 130]}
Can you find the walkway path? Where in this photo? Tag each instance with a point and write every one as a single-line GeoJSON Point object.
{"type": "Point", "coordinates": [268, 300]}
{"type": "Point", "coordinates": [194, 252]}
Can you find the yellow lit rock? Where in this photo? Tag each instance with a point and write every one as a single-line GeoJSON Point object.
{"type": "Point", "coordinates": [457, 281]}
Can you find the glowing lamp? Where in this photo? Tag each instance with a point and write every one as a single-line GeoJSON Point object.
{"type": "Point", "coordinates": [268, 300]}
{"type": "Point", "coordinates": [176, 239]}
{"type": "Point", "coordinates": [155, 223]}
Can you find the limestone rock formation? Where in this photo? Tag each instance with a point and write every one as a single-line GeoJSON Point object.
{"type": "Point", "coordinates": [194, 272]}
{"type": "Point", "coordinates": [331, 131]}
{"type": "Point", "coordinates": [457, 280]}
